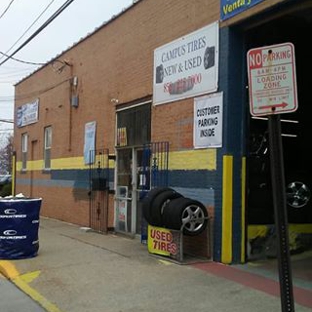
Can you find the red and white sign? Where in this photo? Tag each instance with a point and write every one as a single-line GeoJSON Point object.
{"type": "Point", "coordinates": [272, 80]}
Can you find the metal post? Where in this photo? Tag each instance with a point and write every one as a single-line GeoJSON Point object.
{"type": "Point", "coordinates": [281, 222]}
{"type": "Point", "coordinates": [13, 174]}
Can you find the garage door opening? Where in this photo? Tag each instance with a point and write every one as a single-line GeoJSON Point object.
{"type": "Point", "coordinates": [296, 130]}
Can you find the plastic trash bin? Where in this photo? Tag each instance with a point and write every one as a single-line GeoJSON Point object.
{"type": "Point", "coordinates": [19, 225]}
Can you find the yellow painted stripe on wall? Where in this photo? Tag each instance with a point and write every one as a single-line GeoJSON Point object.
{"type": "Point", "coordinates": [111, 163]}
{"type": "Point", "coordinates": [304, 228]}
{"type": "Point", "coordinates": [201, 159]}
{"type": "Point", "coordinates": [35, 165]}
{"type": "Point", "coordinates": [227, 209]}
{"type": "Point", "coordinates": [254, 231]}
{"type": "Point", "coordinates": [259, 230]}
{"type": "Point", "coordinates": [68, 163]}
{"type": "Point", "coordinates": [243, 242]}
{"type": "Point", "coordinates": [59, 164]}
{"type": "Point", "coordinates": [31, 165]}
{"type": "Point", "coordinates": [193, 160]}
{"type": "Point", "coordinates": [18, 166]}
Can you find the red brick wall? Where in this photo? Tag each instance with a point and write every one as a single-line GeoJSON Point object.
{"type": "Point", "coordinates": [115, 62]}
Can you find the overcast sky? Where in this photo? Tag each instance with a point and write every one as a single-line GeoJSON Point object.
{"type": "Point", "coordinates": [20, 19]}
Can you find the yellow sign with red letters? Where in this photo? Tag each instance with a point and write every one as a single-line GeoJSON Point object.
{"type": "Point", "coordinates": [161, 241]}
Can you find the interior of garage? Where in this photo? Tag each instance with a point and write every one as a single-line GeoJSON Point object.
{"type": "Point", "coordinates": [290, 24]}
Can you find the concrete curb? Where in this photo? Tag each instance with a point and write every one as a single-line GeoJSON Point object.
{"type": "Point", "coordinates": [9, 271]}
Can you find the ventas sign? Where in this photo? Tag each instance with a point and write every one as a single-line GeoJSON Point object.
{"type": "Point", "coordinates": [230, 8]}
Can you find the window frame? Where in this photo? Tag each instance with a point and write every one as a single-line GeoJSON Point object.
{"type": "Point", "coordinates": [24, 150]}
{"type": "Point", "coordinates": [47, 147]}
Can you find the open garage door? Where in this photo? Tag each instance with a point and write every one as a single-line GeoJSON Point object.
{"type": "Point", "coordinates": [296, 128]}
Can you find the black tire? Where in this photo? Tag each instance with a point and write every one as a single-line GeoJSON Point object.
{"type": "Point", "coordinates": [188, 212]}
{"type": "Point", "coordinates": [209, 57]}
{"type": "Point", "coordinates": [298, 194]}
{"type": "Point", "coordinates": [158, 204]}
{"type": "Point", "coordinates": [298, 197]}
{"type": "Point", "coordinates": [148, 199]}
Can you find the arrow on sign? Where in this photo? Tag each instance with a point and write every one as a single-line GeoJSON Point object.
{"type": "Point", "coordinates": [282, 105]}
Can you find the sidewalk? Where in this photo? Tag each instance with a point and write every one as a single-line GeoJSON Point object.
{"type": "Point", "coordinates": [82, 271]}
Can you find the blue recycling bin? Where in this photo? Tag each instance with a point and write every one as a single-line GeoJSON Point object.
{"type": "Point", "coordinates": [19, 227]}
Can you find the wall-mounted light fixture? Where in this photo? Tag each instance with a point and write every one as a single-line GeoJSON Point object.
{"type": "Point", "coordinates": [114, 101]}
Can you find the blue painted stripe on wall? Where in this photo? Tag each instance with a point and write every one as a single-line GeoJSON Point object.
{"type": "Point", "coordinates": [177, 178]}
{"type": "Point", "coordinates": [71, 174]}
{"type": "Point", "coordinates": [77, 174]}
{"type": "Point", "coordinates": [237, 134]}
{"type": "Point", "coordinates": [237, 210]}
{"type": "Point", "coordinates": [193, 183]}
{"type": "Point", "coordinates": [205, 196]}
{"type": "Point", "coordinates": [192, 178]}
{"type": "Point", "coordinates": [59, 183]}
{"type": "Point", "coordinates": [232, 82]}
{"type": "Point", "coordinates": [47, 183]}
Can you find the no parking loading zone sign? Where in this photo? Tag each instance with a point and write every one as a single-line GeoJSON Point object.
{"type": "Point", "coordinates": [272, 79]}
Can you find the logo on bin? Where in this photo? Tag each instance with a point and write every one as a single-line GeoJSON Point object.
{"type": "Point", "coordinates": [10, 232]}
{"type": "Point", "coordinates": [10, 211]}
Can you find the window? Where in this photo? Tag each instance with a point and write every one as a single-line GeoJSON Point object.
{"type": "Point", "coordinates": [24, 150]}
{"type": "Point", "coordinates": [134, 125]}
{"type": "Point", "coordinates": [47, 147]}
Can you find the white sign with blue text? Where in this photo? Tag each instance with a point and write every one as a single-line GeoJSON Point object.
{"type": "Point", "coordinates": [89, 143]}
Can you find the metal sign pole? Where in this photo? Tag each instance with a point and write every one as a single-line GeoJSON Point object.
{"type": "Point", "coordinates": [281, 222]}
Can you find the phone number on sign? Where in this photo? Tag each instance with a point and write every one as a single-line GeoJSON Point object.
{"type": "Point", "coordinates": [182, 85]}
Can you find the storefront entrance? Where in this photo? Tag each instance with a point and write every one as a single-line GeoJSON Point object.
{"type": "Point", "coordinates": [129, 183]}
{"type": "Point", "coordinates": [139, 169]}
{"type": "Point", "coordinates": [133, 132]}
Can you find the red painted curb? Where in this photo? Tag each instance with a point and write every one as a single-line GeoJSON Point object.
{"type": "Point", "coordinates": [301, 296]}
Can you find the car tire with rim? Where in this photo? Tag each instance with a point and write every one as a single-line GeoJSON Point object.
{"type": "Point", "coordinates": [157, 206]}
{"type": "Point", "coordinates": [298, 198]}
{"type": "Point", "coordinates": [190, 213]}
{"type": "Point", "coordinates": [148, 200]}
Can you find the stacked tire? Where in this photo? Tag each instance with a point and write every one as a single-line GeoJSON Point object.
{"type": "Point", "coordinates": [164, 207]}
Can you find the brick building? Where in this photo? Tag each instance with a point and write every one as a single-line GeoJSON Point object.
{"type": "Point", "coordinates": [127, 107]}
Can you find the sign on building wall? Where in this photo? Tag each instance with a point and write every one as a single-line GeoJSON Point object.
{"type": "Point", "coordinates": [230, 8]}
{"type": "Point", "coordinates": [27, 114]}
{"type": "Point", "coordinates": [208, 114]}
{"type": "Point", "coordinates": [89, 142]}
{"type": "Point", "coordinates": [122, 136]}
{"type": "Point", "coordinates": [188, 66]}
